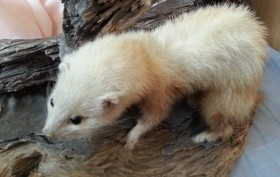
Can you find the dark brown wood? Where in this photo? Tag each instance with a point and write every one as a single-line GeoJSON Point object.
{"type": "Point", "coordinates": [85, 20]}
{"type": "Point", "coordinates": [25, 63]}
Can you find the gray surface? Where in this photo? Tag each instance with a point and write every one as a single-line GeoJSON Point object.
{"type": "Point", "coordinates": [25, 113]}
{"type": "Point", "coordinates": [23, 116]}
{"type": "Point", "coordinates": [262, 152]}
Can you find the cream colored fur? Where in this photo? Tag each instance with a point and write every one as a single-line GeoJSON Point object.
{"type": "Point", "coordinates": [219, 50]}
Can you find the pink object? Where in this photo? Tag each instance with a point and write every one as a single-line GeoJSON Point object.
{"type": "Point", "coordinates": [30, 19]}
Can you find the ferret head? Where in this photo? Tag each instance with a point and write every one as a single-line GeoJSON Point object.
{"type": "Point", "coordinates": [86, 96]}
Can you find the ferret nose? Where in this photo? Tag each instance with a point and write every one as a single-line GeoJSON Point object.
{"type": "Point", "coordinates": [47, 132]}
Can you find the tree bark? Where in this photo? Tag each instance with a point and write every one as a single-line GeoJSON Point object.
{"type": "Point", "coordinates": [85, 20]}
{"type": "Point", "coordinates": [26, 63]}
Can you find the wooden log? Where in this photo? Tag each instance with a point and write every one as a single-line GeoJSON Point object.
{"type": "Point", "coordinates": [84, 20]}
{"type": "Point", "coordinates": [165, 151]}
{"type": "Point", "coordinates": [26, 63]}
{"type": "Point", "coordinates": [19, 162]}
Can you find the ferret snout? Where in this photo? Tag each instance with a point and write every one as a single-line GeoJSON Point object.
{"type": "Point", "coordinates": [48, 133]}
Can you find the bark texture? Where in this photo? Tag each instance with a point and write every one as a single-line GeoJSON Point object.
{"type": "Point", "coordinates": [26, 63]}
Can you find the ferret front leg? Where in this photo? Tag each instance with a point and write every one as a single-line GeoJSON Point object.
{"type": "Point", "coordinates": [143, 125]}
{"type": "Point", "coordinates": [155, 110]}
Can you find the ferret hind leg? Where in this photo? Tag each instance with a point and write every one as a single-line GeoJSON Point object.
{"type": "Point", "coordinates": [222, 109]}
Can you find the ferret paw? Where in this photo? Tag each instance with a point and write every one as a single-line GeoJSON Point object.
{"type": "Point", "coordinates": [207, 137]}
{"type": "Point", "coordinates": [134, 135]}
{"type": "Point", "coordinates": [130, 143]}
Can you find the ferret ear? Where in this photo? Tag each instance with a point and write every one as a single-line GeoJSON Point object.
{"type": "Point", "coordinates": [109, 99]}
{"type": "Point", "coordinates": [63, 66]}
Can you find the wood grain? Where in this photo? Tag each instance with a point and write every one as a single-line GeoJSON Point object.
{"type": "Point", "coordinates": [25, 63]}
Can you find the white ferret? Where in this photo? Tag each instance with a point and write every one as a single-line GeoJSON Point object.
{"type": "Point", "coordinates": [218, 50]}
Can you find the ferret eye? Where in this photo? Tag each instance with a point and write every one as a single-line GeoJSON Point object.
{"type": "Point", "coordinates": [76, 120]}
{"type": "Point", "coordinates": [51, 102]}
